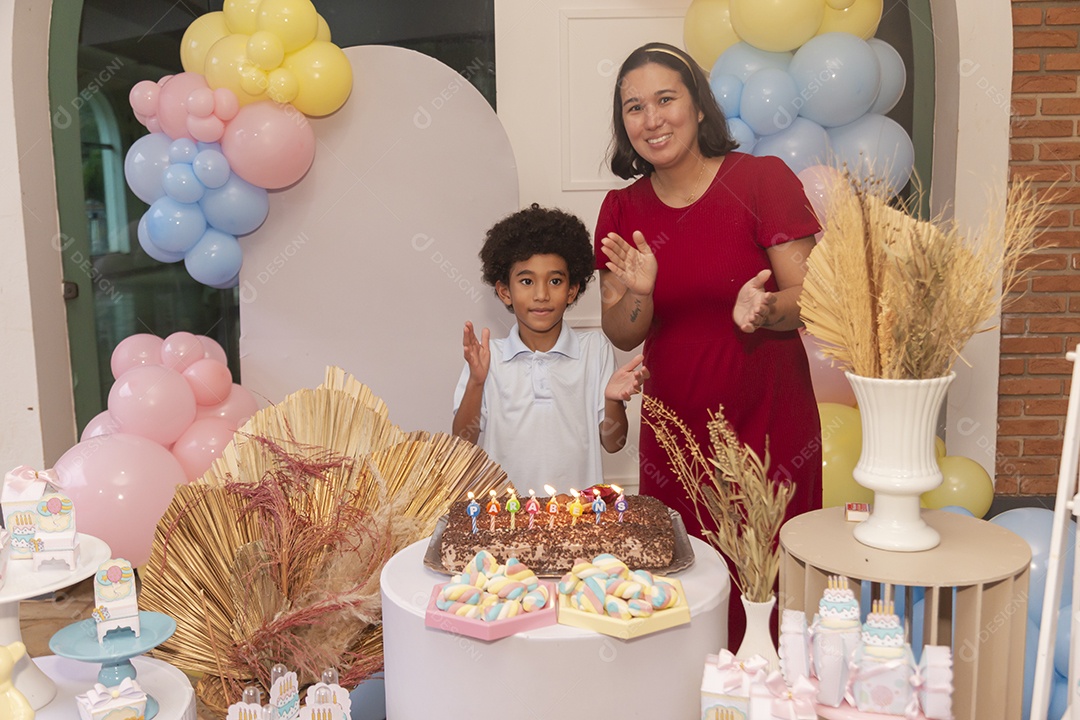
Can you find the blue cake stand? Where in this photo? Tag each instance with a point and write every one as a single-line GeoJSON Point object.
{"type": "Point", "coordinates": [79, 641]}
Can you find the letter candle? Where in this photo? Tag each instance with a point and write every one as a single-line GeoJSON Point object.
{"type": "Point", "coordinates": [513, 505]}
{"type": "Point", "coordinates": [620, 503]}
{"type": "Point", "coordinates": [472, 510]}
{"type": "Point", "coordinates": [575, 507]}
{"type": "Point", "coordinates": [493, 509]}
{"type": "Point", "coordinates": [598, 505]}
{"type": "Point", "coordinates": [552, 506]}
{"type": "Point", "coordinates": [532, 506]}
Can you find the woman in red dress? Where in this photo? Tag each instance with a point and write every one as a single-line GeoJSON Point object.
{"type": "Point", "coordinates": [703, 259]}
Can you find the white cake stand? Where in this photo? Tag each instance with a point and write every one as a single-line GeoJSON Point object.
{"type": "Point", "coordinates": [22, 583]}
{"type": "Point", "coordinates": [170, 686]}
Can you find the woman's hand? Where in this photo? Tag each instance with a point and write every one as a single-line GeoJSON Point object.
{"type": "Point", "coordinates": [634, 265]}
{"type": "Point", "coordinates": [477, 353]}
{"type": "Point", "coordinates": [754, 303]}
{"type": "Point", "coordinates": [627, 380]}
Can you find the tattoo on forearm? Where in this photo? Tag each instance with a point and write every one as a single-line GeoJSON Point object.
{"type": "Point", "coordinates": [636, 311]}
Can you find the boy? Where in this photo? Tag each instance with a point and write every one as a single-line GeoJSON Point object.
{"type": "Point", "coordinates": [546, 397]}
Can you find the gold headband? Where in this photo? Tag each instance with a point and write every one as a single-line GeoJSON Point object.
{"type": "Point", "coordinates": [681, 59]}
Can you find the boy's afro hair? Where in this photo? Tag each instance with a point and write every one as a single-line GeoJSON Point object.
{"type": "Point", "coordinates": [538, 231]}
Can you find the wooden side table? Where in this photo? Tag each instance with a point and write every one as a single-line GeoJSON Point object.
{"type": "Point", "coordinates": [986, 564]}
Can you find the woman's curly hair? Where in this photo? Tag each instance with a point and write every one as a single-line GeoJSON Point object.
{"type": "Point", "coordinates": [538, 231]}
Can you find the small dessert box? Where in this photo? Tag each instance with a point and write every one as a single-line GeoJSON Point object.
{"type": "Point", "coordinates": [794, 648]}
{"type": "Point", "coordinates": [726, 685]}
{"type": "Point", "coordinates": [115, 597]}
{"type": "Point", "coordinates": [883, 685]}
{"type": "Point", "coordinates": [934, 682]}
{"type": "Point", "coordinates": [284, 694]}
{"type": "Point", "coordinates": [22, 490]}
{"type": "Point", "coordinates": [126, 700]}
{"type": "Point", "coordinates": [56, 539]}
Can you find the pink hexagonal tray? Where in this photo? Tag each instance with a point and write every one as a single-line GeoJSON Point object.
{"type": "Point", "coordinates": [484, 630]}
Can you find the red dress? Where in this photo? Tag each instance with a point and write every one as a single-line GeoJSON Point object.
{"type": "Point", "coordinates": [698, 359]}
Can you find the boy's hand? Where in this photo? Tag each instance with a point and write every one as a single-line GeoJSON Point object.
{"type": "Point", "coordinates": [477, 353]}
{"type": "Point", "coordinates": [635, 265]}
{"type": "Point", "coordinates": [627, 380]}
{"type": "Point", "coordinates": [754, 303]}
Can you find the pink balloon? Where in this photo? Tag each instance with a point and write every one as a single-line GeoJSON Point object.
{"type": "Point", "coordinates": [101, 424]}
{"type": "Point", "coordinates": [205, 129]}
{"type": "Point", "coordinates": [830, 383]}
{"type": "Point", "coordinates": [144, 98]}
{"type": "Point", "coordinates": [114, 573]}
{"type": "Point", "coordinates": [225, 104]}
{"type": "Point", "coordinates": [180, 350]}
{"type": "Point", "coordinates": [236, 410]}
{"type": "Point", "coordinates": [200, 444]}
{"type": "Point", "coordinates": [817, 182]}
{"type": "Point", "coordinates": [212, 349]}
{"type": "Point", "coordinates": [120, 485]}
{"type": "Point", "coordinates": [210, 381]}
{"type": "Point", "coordinates": [152, 401]}
{"type": "Point", "coordinates": [173, 103]}
{"type": "Point", "coordinates": [133, 351]}
{"type": "Point", "coordinates": [201, 102]}
{"type": "Point", "coordinates": [269, 145]}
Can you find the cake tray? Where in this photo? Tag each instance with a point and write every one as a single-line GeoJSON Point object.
{"type": "Point", "coordinates": [627, 629]}
{"type": "Point", "coordinates": [682, 556]}
{"type": "Point", "coordinates": [484, 630]}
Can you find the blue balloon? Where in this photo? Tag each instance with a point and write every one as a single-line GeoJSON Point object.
{"type": "Point", "coordinates": [215, 259]}
{"type": "Point", "coordinates": [800, 146]}
{"type": "Point", "coordinates": [237, 207]}
{"type": "Point", "coordinates": [1059, 697]}
{"type": "Point", "coordinates": [234, 281]}
{"type": "Point", "coordinates": [957, 510]}
{"type": "Point", "coordinates": [727, 89]}
{"type": "Point", "coordinates": [743, 60]}
{"type": "Point", "coordinates": [838, 78]}
{"type": "Point", "coordinates": [1035, 526]}
{"type": "Point", "coordinates": [153, 250]}
{"type": "Point", "coordinates": [369, 699]}
{"type": "Point", "coordinates": [181, 184]}
{"type": "Point", "coordinates": [893, 76]}
{"type": "Point", "coordinates": [1063, 640]}
{"type": "Point", "coordinates": [174, 226]}
{"type": "Point", "coordinates": [183, 151]}
{"type": "Point", "coordinates": [875, 147]}
{"type": "Point", "coordinates": [742, 134]}
{"type": "Point", "coordinates": [211, 168]}
{"type": "Point", "coordinates": [145, 165]}
{"type": "Point", "coordinates": [768, 101]}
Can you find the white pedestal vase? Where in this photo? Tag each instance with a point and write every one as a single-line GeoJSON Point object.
{"type": "Point", "coordinates": [757, 640]}
{"type": "Point", "coordinates": [898, 460]}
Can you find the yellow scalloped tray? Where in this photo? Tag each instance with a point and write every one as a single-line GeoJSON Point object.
{"type": "Point", "coordinates": [627, 629]}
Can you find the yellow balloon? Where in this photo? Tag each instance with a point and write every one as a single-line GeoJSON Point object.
{"type": "Point", "coordinates": [242, 15]}
{"type": "Point", "coordinates": [265, 50]}
{"type": "Point", "coordinates": [323, 33]}
{"type": "Point", "coordinates": [860, 18]}
{"type": "Point", "coordinates": [324, 78]}
{"type": "Point", "coordinates": [838, 485]}
{"type": "Point", "coordinates": [939, 447]}
{"type": "Point", "coordinates": [199, 38]}
{"type": "Point", "coordinates": [283, 86]}
{"type": "Point", "coordinates": [707, 31]}
{"type": "Point", "coordinates": [227, 64]}
{"type": "Point", "coordinates": [294, 21]}
{"type": "Point", "coordinates": [964, 483]}
{"type": "Point", "coordinates": [776, 25]}
{"type": "Point", "coordinates": [841, 429]}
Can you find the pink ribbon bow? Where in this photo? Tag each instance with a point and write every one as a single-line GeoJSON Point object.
{"type": "Point", "coordinates": [794, 703]}
{"type": "Point", "coordinates": [911, 710]}
{"type": "Point", "coordinates": [866, 672]}
{"type": "Point", "coordinates": [100, 696]}
{"type": "Point", "coordinates": [738, 675]}
{"type": "Point", "coordinates": [23, 477]}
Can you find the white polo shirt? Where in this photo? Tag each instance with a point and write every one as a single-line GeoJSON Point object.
{"type": "Point", "coordinates": [541, 411]}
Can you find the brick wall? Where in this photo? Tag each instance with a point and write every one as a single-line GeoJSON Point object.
{"type": "Point", "coordinates": [1044, 322]}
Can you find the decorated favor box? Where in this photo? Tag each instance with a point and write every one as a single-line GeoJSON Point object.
{"type": "Point", "coordinates": [774, 699]}
{"type": "Point", "coordinates": [934, 682]}
{"type": "Point", "coordinates": [836, 634]}
{"type": "Point", "coordinates": [726, 685]}
{"type": "Point", "coordinates": [117, 604]}
{"type": "Point", "coordinates": [794, 646]}
{"type": "Point", "coordinates": [883, 666]}
{"type": "Point", "coordinates": [125, 701]}
{"type": "Point", "coordinates": [56, 539]}
{"type": "Point", "coordinates": [5, 553]}
{"type": "Point", "coordinates": [284, 696]}
{"type": "Point", "coordinates": [22, 490]}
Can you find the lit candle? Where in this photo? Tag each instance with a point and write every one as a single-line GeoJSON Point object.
{"type": "Point", "coordinates": [472, 510]}
{"type": "Point", "coordinates": [620, 503]}
{"type": "Point", "coordinates": [575, 507]}
{"type": "Point", "coordinates": [513, 505]}
{"type": "Point", "coordinates": [552, 506]}
{"type": "Point", "coordinates": [598, 505]}
{"type": "Point", "coordinates": [493, 509]}
{"type": "Point", "coordinates": [532, 506]}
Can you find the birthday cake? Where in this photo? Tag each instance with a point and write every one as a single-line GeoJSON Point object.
{"type": "Point", "coordinates": [643, 538]}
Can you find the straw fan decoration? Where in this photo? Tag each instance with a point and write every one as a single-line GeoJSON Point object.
{"type": "Point", "coordinates": [274, 555]}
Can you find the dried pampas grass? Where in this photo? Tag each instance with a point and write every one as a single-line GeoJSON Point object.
{"type": "Point", "coordinates": [732, 489]}
{"type": "Point", "coordinates": [892, 296]}
{"type": "Point", "coordinates": [275, 554]}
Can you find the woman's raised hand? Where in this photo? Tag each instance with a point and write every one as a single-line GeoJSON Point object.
{"type": "Point", "coordinates": [634, 265]}
{"type": "Point", "coordinates": [754, 303]}
{"type": "Point", "coordinates": [627, 380]}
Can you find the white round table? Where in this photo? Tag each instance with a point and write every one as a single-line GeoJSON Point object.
{"type": "Point", "coordinates": [555, 671]}
{"type": "Point", "coordinates": [170, 686]}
